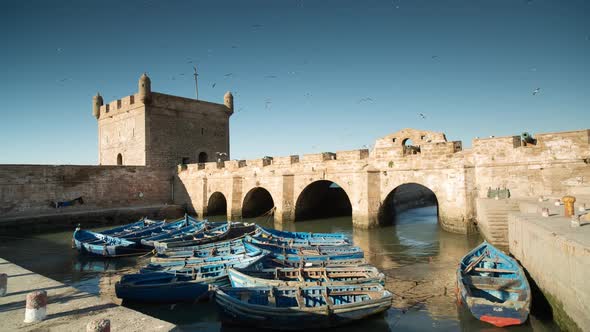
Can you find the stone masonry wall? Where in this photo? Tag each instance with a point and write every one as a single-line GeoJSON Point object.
{"type": "Point", "coordinates": [29, 189]}
{"type": "Point", "coordinates": [183, 128]}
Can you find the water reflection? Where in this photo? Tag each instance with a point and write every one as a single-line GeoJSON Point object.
{"type": "Point", "coordinates": [418, 257]}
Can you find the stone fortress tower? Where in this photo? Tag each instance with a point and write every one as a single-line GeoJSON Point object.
{"type": "Point", "coordinates": [156, 129]}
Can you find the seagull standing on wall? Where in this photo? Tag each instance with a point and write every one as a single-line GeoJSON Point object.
{"type": "Point", "coordinates": [536, 91]}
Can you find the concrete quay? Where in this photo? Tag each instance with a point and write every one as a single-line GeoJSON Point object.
{"type": "Point", "coordinates": [557, 257]}
{"type": "Point", "coordinates": [68, 309]}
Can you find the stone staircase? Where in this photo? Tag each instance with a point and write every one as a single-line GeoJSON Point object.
{"type": "Point", "coordinates": [492, 219]}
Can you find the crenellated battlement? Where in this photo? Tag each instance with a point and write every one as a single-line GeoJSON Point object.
{"type": "Point", "coordinates": [119, 106]}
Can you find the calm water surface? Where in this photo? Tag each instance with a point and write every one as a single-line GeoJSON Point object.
{"type": "Point", "coordinates": [418, 257]}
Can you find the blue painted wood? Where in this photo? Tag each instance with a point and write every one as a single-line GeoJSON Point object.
{"type": "Point", "coordinates": [493, 286]}
{"type": "Point", "coordinates": [97, 244]}
{"type": "Point", "coordinates": [193, 228]}
{"type": "Point", "coordinates": [213, 233]}
{"type": "Point", "coordinates": [297, 308]}
{"type": "Point", "coordinates": [292, 255]}
{"type": "Point", "coordinates": [306, 276]}
{"type": "Point", "coordinates": [303, 238]}
{"type": "Point", "coordinates": [180, 283]}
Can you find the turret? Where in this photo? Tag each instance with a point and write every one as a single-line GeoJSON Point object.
{"type": "Point", "coordinates": [97, 102]}
{"type": "Point", "coordinates": [144, 88]}
{"type": "Point", "coordinates": [228, 100]}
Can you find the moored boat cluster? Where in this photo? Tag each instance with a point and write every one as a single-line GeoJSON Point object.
{"type": "Point", "coordinates": [270, 279]}
{"type": "Point", "coordinates": [259, 276]}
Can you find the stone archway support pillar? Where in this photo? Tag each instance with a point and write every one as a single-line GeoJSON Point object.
{"type": "Point", "coordinates": [366, 199]}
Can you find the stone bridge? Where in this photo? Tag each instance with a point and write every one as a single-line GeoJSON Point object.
{"type": "Point", "coordinates": [408, 168]}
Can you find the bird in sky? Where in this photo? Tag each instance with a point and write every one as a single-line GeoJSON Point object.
{"type": "Point", "coordinates": [214, 84]}
{"type": "Point", "coordinates": [228, 74]}
{"type": "Point", "coordinates": [267, 104]}
{"type": "Point", "coordinates": [270, 76]}
{"type": "Point", "coordinates": [536, 91]}
{"type": "Point", "coordinates": [256, 26]}
{"type": "Point", "coordinates": [59, 50]}
{"type": "Point", "coordinates": [365, 100]}
{"type": "Point", "coordinates": [422, 116]}
{"type": "Point", "coordinates": [434, 57]}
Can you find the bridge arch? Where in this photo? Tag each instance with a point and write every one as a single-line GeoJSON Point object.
{"type": "Point", "coordinates": [217, 204]}
{"type": "Point", "coordinates": [257, 202]}
{"type": "Point", "coordinates": [322, 199]}
{"type": "Point", "coordinates": [404, 197]}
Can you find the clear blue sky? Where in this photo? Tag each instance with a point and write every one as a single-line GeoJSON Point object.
{"type": "Point", "coordinates": [308, 76]}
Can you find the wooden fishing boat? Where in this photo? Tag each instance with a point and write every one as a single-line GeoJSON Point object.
{"type": "Point", "coordinates": [164, 228]}
{"type": "Point", "coordinates": [184, 285]}
{"type": "Point", "coordinates": [493, 286]}
{"type": "Point", "coordinates": [178, 264]}
{"type": "Point", "coordinates": [226, 231]}
{"type": "Point", "coordinates": [298, 308]}
{"type": "Point", "coordinates": [191, 228]}
{"type": "Point", "coordinates": [302, 250]}
{"type": "Point", "coordinates": [295, 239]}
{"type": "Point", "coordinates": [163, 251]}
{"type": "Point", "coordinates": [233, 248]}
{"type": "Point", "coordinates": [306, 276]}
{"type": "Point", "coordinates": [97, 244]}
{"type": "Point", "coordinates": [290, 255]}
{"type": "Point", "coordinates": [300, 262]}
{"type": "Point", "coordinates": [123, 230]}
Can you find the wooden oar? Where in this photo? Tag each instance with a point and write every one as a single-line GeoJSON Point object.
{"type": "Point", "coordinates": [475, 262]}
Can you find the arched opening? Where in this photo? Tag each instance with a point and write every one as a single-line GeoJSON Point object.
{"type": "Point", "coordinates": [409, 147]}
{"type": "Point", "coordinates": [217, 205]}
{"type": "Point", "coordinates": [203, 158]}
{"type": "Point", "coordinates": [322, 199]}
{"type": "Point", "coordinates": [407, 197]}
{"type": "Point", "coordinates": [257, 202]}
{"type": "Point", "coordinates": [119, 159]}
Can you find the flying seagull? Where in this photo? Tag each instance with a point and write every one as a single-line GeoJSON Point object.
{"type": "Point", "coordinates": [422, 115]}
{"type": "Point", "coordinates": [270, 76]}
{"type": "Point", "coordinates": [214, 84]}
{"type": "Point", "coordinates": [363, 100]}
{"type": "Point", "coordinates": [228, 74]}
{"type": "Point", "coordinates": [536, 91]}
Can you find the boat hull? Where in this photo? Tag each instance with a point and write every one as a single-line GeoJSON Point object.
{"type": "Point", "coordinates": [235, 312]}
{"type": "Point", "coordinates": [498, 294]}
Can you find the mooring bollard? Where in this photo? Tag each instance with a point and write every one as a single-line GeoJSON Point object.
{"type": "Point", "coordinates": [99, 325]}
{"type": "Point", "coordinates": [568, 202]}
{"type": "Point", "coordinates": [3, 283]}
{"type": "Point", "coordinates": [545, 212]}
{"type": "Point", "coordinates": [36, 308]}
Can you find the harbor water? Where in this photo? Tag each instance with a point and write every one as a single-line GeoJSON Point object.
{"type": "Point", "coordinates": [417, 256]}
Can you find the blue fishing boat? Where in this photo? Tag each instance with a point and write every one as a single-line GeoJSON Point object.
{"type": "Point", "coordinates": [185, 284]}
{"type": "Point", "coordinates": [178, 264]}
{"type": "Point", "coordinates": [163, 228]}
{"type": "Point", "coordinates": [299, 308]}
{"type": "Point", "coordinates": [291, 255]}
{"type": "Point", "coordinates": [232, 248]}
{"type": "Point", "coordinates": [98, 244]}
{"type": "Point", "coordinates": [192, 228]}
{"type": "Point", "coordinates": [214, 232]}
{"type": "Point", "coordinates": [302, 250]}
{"type": "Point", "coordinates": [164, 251]}
{"type": "Point", "coordinates": [493, 286]}
{"type": "Point", "coordinates": [305, 276]}
{"type": "Point", "coordinates": [304, 238]}
{"type": "Point", "coordinates": [123, 230]}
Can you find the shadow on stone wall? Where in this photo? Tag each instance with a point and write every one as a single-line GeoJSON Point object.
{"type": "Point", "coordinates": [405, 197]}
{"type": "Point", "coordinates": [322, 199]}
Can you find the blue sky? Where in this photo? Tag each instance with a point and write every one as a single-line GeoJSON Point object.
{"type": "Point", "coordinates": [308, 76]}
